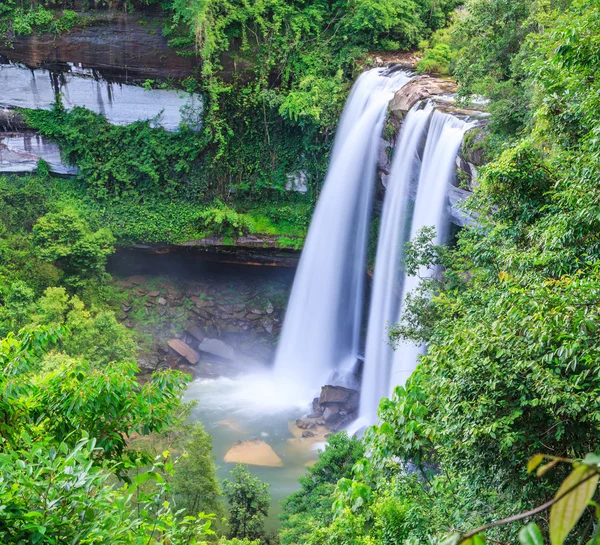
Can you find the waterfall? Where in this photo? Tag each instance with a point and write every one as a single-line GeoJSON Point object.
{"type": "Point", "coordinates": [321, 329]}
{"type": "Point", "coordinates": [439, 168]}
{"type": "Point", "coordinates": [401, 219]}
{"type": "Point", "coordinates": [387, 278]}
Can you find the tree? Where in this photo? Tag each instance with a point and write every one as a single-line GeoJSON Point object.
{"type": "Point", "coordinates": [194, 482]}
{"type": "Point", "coordinates": [65, 238]}
{"type": "Point", "coordinates": [249, 501]}
{"type": "Point", "coordinates": [311, 505]}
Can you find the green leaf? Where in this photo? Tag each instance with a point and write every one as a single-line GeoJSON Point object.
{"type": "Point", "coordinates": [566, 512]}
{"type": "Point", "coordinates": [452, 539]}
{"type": "Point", "coordinates": [534, 462]}
{"type": "Point", "coordinates": [479, 539]}
{"type": "Point", "coordinates": [531, 535]}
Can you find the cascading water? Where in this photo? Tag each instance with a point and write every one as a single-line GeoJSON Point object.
{"type": "Point", "coordinates": [322, 324]}
{"type": "Point", "coordinates": [387, 279]}
{"type": "Point", "coordinates": [443, 141]}
{"type": "Point", "coordinates": [385, 368]}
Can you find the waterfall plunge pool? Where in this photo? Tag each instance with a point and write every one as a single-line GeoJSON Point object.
{"type": "Point", "coordinates": [235, 400]}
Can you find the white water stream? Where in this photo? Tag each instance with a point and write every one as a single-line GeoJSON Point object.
{"type": "Point", "coordinates": [321, 330]}
{"type": "Point", "coordinates": [402, 218]}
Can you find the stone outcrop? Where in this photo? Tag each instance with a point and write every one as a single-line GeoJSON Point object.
{"type": "Point", "coordinates": [335, 407]}
{"type": "Point", "coordinates": [184, 350]}
{"type": "Point", "coordinates": [254, 452]}
{"type": "Point", "coordinates": [419, 88]}
{"type": "Point", "coordinates": [21, 151]}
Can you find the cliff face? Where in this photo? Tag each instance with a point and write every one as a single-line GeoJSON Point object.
{"type": "Point", "coordinates": [100, 65]}
{"type": "Point", "coordinates": [120, 48]}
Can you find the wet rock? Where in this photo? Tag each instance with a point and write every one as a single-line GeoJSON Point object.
{"type": "Point", "coordinates": [258, 312]}
{"type": "Point", "coordinates": [115, 43]}
{"type": "Point", "coordinates": [330, 413]}
{"type": "Point", "coordinates": [304, 425]}
{"type": "Point", "coordinates": [137, 279]}
{"type": "Point", "coordinates": [270, 308]}
{"type": "Point", "coordinates": [254, 452]}
{"type": "Point", "coordinates": [161, 301]}
{"type": "Point", "coordinates": [334, 421]}
{"type": "Point", "coordinates": [202, 313]}
{"type": "Point", "coordinates": [338, 395]}
{"type": "Point", "coordinates": [268, 325]}
{"type": "Point", "coordinates": [307, 434]}
{"type": "Point", "coordinates": [126, 308]}
{"type": "Point", "coordinates": [201, 303]}
{"type": "Point", "coordinates": [184, 350]}
{"type": "Point", "coordinates": [195, 332]}
{"type": "Point", "coordinates": [473, 148]}
{"type": "Point", "coordinates": [155, 293]}
{"type": "Point", "coordinates": [252, 316]}
{"type": "Point", "coordinates": [315, 414]}
{"type": "Point", "coordinates": [218, 348]}
{"type": "Point", "coordinates": [150, 362]}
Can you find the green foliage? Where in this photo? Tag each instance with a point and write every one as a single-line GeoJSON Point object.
{"type": "Point", "coordinates": [223, 220]}
{"type": "Point", "coordinates": [438, 54]}
{"type": "Point", "coordinates": [194, 483]}
{"type": "Point", "coordinates": [56, 395]}
{"type": "Point", "coordinates": [83, 329]}
{"type": "Point", "coordinates": [114, 160]}
{"type": "Point", "coordinates": [249, 501]}
{"type": "Point", "coordinates": [310, 507]}
{"type": "Point", "coordinates": [64, 238]}
{"type": "Point", "coordinates": [23, 21]}
{"type": "Point", "coordinates": [54, 493]}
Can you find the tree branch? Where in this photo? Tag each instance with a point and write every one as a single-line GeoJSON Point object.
{"type": "Point", "coordinates": [526, 514]}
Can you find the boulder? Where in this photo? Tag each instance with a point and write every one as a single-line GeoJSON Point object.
{"type": "Point", "coordinates": [255, 452]}
{"type": "Point", "coordinates": [338, 395]}
{"type": "Point", "coordinates": [184, 350]}
{"type": "Point", "coordinates": [161, 301]}
{"type": "Point", "coordinates": [218, 348]}
{"type": "Point", "coordinates": [195, 332]}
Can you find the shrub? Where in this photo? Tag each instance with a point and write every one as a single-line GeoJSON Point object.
{"type": "Point", "coordinates": [223, 220]}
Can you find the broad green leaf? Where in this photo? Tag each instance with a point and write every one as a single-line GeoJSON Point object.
{"type": "Point", "coordinates": [566, 512]}
{"type": "Point", "coordinates": [534, 462]}
{"type": "Point", "coordinates": [452, 539]}
{"type": "Point", "coordinates": [531, 535]}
